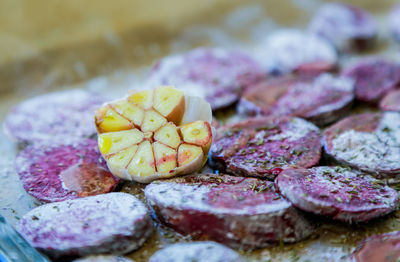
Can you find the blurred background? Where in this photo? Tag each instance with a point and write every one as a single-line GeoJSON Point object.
{"type": "Point", "coordinates": [46, 44]}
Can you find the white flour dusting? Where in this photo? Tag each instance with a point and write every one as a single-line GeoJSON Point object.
{"type": "Point", "coordinates": [375, 151]}
{"type": "Point", "coordinates": [287, 49]}
{"type": "Point", "coordinates": [297, 128]}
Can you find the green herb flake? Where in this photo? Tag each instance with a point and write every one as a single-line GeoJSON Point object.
{"type": "Point", "coordinates": [252, 150]}
{"type": "Point", "coordinates": [338, 199]}
{"type": "Point", "coordinates": [260, 141]}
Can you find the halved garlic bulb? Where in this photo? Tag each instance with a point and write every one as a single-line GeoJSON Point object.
{"type": "Point", "coordinates": [154, 134]}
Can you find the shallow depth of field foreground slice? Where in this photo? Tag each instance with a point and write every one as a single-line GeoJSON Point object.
{"type": "Point", "coordinates": [154, 134]}
{"type": "Point", "coordinates": [236, 211]}
{"type": "Point", "coordinates": [114, 223]}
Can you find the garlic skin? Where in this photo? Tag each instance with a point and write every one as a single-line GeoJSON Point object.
{"type": "Point", "coordinates": [154, 134]}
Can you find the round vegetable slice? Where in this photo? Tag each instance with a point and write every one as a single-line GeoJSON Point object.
{"type": "Point", "coordinates": [373, 78]}
{"type": "Point", "coordinates": [236, 211]}
{"type": "Point", "coordinates": [384, 247]}
{"type": "Point", "coordinates": [320, 100]}
{"type": "Point", "coordinates": [59, 172]}
{"type": "Point", "coordinates": [58, 116]}
{"type": "Point", "coordinates": [154, 134]}
{"type": "Point", "coordinates": [340, 193]}
{"type": "Point", "coordinates": [114, 223]}
{"type": "Point", "coordinates": [346, 26]}
{"type": "Point", "coordinates": [263, 147]}
{"type": "Point", "coordinates": [369, 142]}
{"type": "Point", "coordinates": [204, 251]}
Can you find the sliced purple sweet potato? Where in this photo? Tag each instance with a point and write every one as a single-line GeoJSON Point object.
{"type": "Point", "coordinates": [236, 211]}
{"type": "Point", "coordinates": [394, 22]}
{"type": "Point", "coordinates": [217, 75]}
{"type": "Point", "coordinates": [369, 142]}
{"type": "Point", "coordinates": [373, 79]}
{"type": "Point", "coordinates": [315, 68]}
{"type": "Point", "coordinates": [204, 251]}
{"type": "Point", "coordinates": [291, 50]}
{"type": "Point", "coordinates": [59, 172]}
{"type": "Point", "coordinates": [320, 100]}
{"type": "Point", "coordinates": [114, 223]}
{"type": "Point", "coordinates": [57, 116]}
{"type": "Point", "coordinates": [346, 26]}
{"type": "Point", "coordinates": [391, 101]}
{"type": "Point", "coordinates": [263, 147]}
{"type": "Point", "coordinates": [382, 248]}
{"type": "Point", "coordinates": [103, 258]}
{"type": "Point", "coordinates": [340, 193]}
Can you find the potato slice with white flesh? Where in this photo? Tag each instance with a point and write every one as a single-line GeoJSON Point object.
{"type": "Point", "coordinates": [154, 134]}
